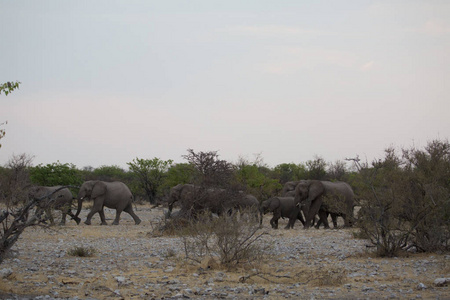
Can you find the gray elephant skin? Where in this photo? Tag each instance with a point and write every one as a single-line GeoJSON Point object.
{"type": "Point", "coordinates": [323, 197]}
{"type": "Point", "coordinates": [282, 207]}
{"type": "Point", "coordinates": [289, 188]}
{"type": "Point", "coordinates": [247, 203]}
{"type": "Point", "coordinates": [114, 195]}
{"type": "Point", "coordinates": [198, 199]}
{"type": "Point", "coordinates": [60, 200]}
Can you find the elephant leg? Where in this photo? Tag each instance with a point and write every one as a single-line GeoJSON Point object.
{"type": "Point", "coordinates": [89, 217]}
{"type": "Point", "coordinates": [102, 217]}
{"type": "Point", "coordinates": [313, 210]}
{"type": "Point", "coordinates": [323, 218]}
{"type": "Point", "coordinates": [129, 210]}
{"type": "Point", "coordinates": [96, 208]}
{"type": "Point", "coordinates": [291, 222]}
{"type": "Point", "coordinates": [63, 218]}
{"type": "Point", "coordinates": [274, 220]}
{"type": "Point", "coordinates": [318, 223]}
{"type": "Point", "coordinates": [69, 212]}
{"type": "Point", "coordinates": [117, 219]}
{"type": "Point", "coordinates": [334, 219]}
{"type": "Point", "coordinates": [293, 217]}
{"type": "Point", "coordinates": [48, 212]}
{"type": "Point", "coordinates": [347, 222]}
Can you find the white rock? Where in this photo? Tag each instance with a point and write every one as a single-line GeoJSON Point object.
{"type": "Point", "coordinates": [4, 273]}
{"type": "Point", "coordinates": [421, 286]}
{"type": "Point", "coordinates": [441, 281]}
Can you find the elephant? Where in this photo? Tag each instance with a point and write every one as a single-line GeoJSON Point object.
{"type": "Point", "coordinates": [322, 197]}
{"type": "Point", "coordinates": [247, 203]}
{"type": "Point", "coordinates": [110, 194]}
{"type": "Point", "coordinates": [282, 207]}
{"type": "Point", "coordinates": [196, 199]}
{"type": "Point", "coordinates": [289, 188]}
{"type": "Point", "coordinates": [60, 200]}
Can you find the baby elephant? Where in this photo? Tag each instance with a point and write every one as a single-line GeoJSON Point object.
{"type": "Point", "coordinates": [282, 207]}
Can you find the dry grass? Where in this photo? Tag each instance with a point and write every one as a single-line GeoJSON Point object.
{"type": "Point", "coordinates": [81, 251]}
{"type": "Point", "coordinates": [331, 276]}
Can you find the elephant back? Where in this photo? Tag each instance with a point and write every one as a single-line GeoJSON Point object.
{"type": "Point", "coordinates": [339, 196]}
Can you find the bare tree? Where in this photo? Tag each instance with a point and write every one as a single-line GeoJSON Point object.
{"type": "Point", "coordinates": [210, 170]}
{"type": "Point", "coordinates": [14, 179]}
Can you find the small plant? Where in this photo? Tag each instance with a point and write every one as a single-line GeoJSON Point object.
{"type": "Point", "coordinates": [230, 241]}
{"type": "Point", "coordinates": [81, 251]}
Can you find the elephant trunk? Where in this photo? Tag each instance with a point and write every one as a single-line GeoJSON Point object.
{"type": "Point", "coordinates": [80, 204]}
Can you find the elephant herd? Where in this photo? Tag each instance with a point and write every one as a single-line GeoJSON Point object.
{"type": "Point", "coordinates": [312, 198]}
{"type": "Point", "coordinates": [300, 200]}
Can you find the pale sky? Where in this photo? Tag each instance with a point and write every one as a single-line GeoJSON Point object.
{"type": "Point", "coordinates": [104, 82]}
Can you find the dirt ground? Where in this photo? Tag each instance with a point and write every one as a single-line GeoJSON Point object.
{"type": "Point", "coordinates": [130, 263]}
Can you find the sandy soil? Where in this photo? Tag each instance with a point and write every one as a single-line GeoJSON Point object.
{"type": "Point", "coordinates": [130, 263]}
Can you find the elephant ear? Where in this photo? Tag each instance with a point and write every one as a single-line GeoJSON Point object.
{"type": "Point", "coordinates": [98, 189]}
{"type": "Point", "coordinates": [316, 189]}
{"type": "Point", "coordinates": [274, 204]}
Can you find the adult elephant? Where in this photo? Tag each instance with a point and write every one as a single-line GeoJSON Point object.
{"type": "Point", "coordinates": [247, 203]}
{"type": "Point", "coordinates": [282, 207]}
{"type": "Point", "coordinates": [114, 195]}
{"type": "Point", "coordinates": [197, 199]}
{"type": "Point", "coordinates": [289, 188]}
{"type": "Point", "coordinates": [332, 197]}
{"type": "Point", "coordinates": [60, 200]}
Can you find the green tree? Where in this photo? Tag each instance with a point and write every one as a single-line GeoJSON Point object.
{"type": "Point", "coordinates": [316, 168]}
{"type": "Point", "coordinates": [7, 88]}
{"type": "Point", "coordinates": [151, 174]}
{"type": "Point", "coordinates": [255, 180]}
{"type": "Point", "coordinates": [55, 174]}
{"type": "Point", "coordinates": [290, 172]}
{"type": "Point", "coordinates": [111, 173]}
{"type": "Point", "coordinates": [338, 171]}
{"type": "Point", "coordinates": [179, 173]}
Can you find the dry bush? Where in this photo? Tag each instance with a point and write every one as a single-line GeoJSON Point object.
{"type": "Point", "coordinates": [226, 239]}
{"type": "Point", "coordinates": [14, 180]}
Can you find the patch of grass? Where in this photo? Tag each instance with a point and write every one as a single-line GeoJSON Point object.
{"type": "Point", "coordinates": [330, 277]}
{"type": "Point", "coordinates": [81, 251]}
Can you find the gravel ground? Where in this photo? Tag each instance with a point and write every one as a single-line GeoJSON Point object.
{"type": "Point", "coordinates": [131, 264]}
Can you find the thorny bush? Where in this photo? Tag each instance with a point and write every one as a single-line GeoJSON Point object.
{"type": "Point", "coordinates": [229, 239]}
{"type": "Point", "coordinates": [405, 200]}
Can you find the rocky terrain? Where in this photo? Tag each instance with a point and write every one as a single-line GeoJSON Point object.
{"type": "Point", "coordinates": [131, 263]}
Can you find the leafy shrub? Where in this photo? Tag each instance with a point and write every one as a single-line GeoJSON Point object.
{"type": "Point", "coordinates": [406, 200]}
